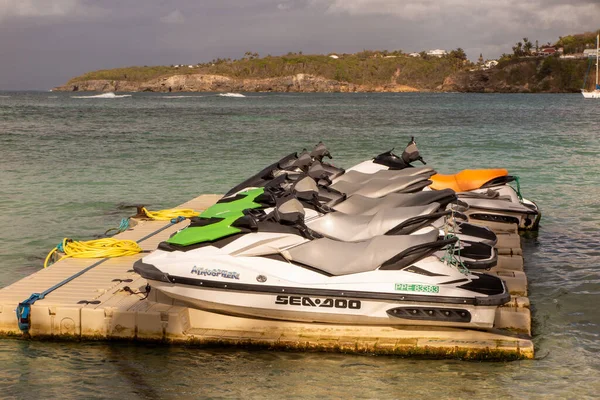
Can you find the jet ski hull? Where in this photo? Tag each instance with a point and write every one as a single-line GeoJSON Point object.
{"type": "Point", "coordinates": [526, 220]}
{"type": "Point", "coordinates": [340, 302]}
{"type": "Point", "coordinates": [328, 309]}
{"type": "Point", "coordinates": [503, 206]}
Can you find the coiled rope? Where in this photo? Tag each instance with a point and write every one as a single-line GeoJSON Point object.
{"type": "Point", "coordinates": [99, 248]}
{"type": "Point", "coordinates": [161, 215]}
{"type": "Point", "coordinates": [167, 215]}
{"type": "Point", "coordinates": [110, 247]}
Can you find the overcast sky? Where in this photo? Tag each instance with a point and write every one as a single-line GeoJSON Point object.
{"type": "Point", "coordinates": [43, 43]}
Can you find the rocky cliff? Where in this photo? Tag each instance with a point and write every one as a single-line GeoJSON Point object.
{"type": "Point", "coordinates": [541, 75]}
{"type": "Point", "coordinates": [217, 83]}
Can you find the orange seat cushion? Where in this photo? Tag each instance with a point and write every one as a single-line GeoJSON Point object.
{"type": "Point", "coordinates": [465, 180]}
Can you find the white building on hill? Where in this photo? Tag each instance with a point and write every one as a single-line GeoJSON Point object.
{"type": "Point", "coordinates": [490, 64]}
{"type": "Point", "coordinates": [437, 53]}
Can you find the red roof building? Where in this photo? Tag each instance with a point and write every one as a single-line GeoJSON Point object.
{"type": "Point", "coordinates": [547, 51]}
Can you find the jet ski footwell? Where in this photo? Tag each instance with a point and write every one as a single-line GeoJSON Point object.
{"type": "Point", "coordinates": [109, 302]}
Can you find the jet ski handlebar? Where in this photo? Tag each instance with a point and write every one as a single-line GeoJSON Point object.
{"type": "Point", "coordinates": [413, 223]}
{"type": "Point", "coordinates": [393, 162]}
{"type": "Point", "coordinates": [320, 151]}
{"type": "Point", "coordinates": [415, 253]}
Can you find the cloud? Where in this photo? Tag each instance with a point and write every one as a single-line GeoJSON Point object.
{"type": "Point", "coordinates": [45, 8]}
{"type": "Point", "coordinates": [174, 17]}
{"type": "Point", "coordinates": [488, 26]}
{"type": "Point", "coordinates": [508, 12]}
{"type": "Point", "coordinates": [59, 39]}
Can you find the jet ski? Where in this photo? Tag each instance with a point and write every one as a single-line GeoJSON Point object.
{"type": "Point", "coordinates": [502, 204]}
{"type": "Point", "coordinates": [275, 267]}
{"type": "Point", "coordinates": [388, 173]}
{"type": "Point", "coordinates": [390, 161]}
{"type": "Point", "coordinates": [490, 197]}
{"type": "Point", "coordinates": [487, 192]}
{"type": "Point", "coordinates": [360, 205]}
{"type": "Point", "coordinates": [473, 251]}
{"type": "Point", "coordinates": [390, 168]}
{"type": "Point", "coordinates": [401, 220]}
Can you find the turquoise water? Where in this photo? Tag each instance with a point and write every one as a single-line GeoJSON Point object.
{"type": "Point", "coordinates": [71, 167]}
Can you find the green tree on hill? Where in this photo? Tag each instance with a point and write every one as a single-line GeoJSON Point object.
{"type": "Point", "coordinates": [577, 43]}
{"type": "Point", "coordinates": [458, 53]}
{"type": "Point", "coordinates": [527, 46]}
{"type": "Point", "coordinates": [518, 49]}
{"type": "Point", "coordinates": [522, 49]}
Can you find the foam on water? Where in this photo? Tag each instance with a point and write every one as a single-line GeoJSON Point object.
{"type": "Point", "coordinates": [231, 95]}
{"type": "Point", "coordinates": [180, 97]}
{"type": "Point", "coordinates": [109, 95]}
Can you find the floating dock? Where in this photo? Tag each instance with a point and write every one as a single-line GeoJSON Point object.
{"type": "Point", "coordinates": [107, 301]}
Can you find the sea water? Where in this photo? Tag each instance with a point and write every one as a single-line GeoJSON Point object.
{"type": "Point", "coordinates": [71, 167]}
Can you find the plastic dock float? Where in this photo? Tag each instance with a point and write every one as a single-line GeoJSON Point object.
{"type": "Point", "coordinates": [106, 301]}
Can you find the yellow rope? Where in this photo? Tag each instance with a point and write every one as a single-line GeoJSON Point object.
{"type": "Point", "coordinates": [109, 247]}
{"type": "Point", "coordinates": [167, 215]}
{"type": "Point", "coordinates": [100, 248]}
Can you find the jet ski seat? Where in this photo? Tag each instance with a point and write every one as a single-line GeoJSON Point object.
{"type": "Point", "coordinates": [466, 180]}
{"type": "Point", "coordinates": [361, 177]}
{"type": "Point", "coordinates": [381, 187]}
{"type": "Point", "coordinates": [352, 228]}
{"type": "Point", "coordinates": [361, 205]}
{"type": "Point", "coordinates": [342, 258]}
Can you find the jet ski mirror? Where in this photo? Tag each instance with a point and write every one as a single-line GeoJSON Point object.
{"type": "Point", "coordinates": [289, 210]}
{"type": "Point", "coordinates": [411, 152]}
{"type": "Point", "coordinates": [320, 151]}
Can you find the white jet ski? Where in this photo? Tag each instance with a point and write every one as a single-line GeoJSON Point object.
{"type": "Point", "coordinates": [278, 268]}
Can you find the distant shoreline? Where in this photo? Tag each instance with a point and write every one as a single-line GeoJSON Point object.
{"type": "Point", "coordinates": [526, 75]}
{"type": "Point", "coordinates": [462, 82]}
{"type": "Point", "coordinates": [7, 93]}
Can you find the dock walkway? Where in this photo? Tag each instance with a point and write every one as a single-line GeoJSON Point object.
{"type": "Point", "coordinates": [107, 302]}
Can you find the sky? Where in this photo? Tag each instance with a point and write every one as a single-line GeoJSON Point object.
{"type": "Point", "coordinates": [43, 43]}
